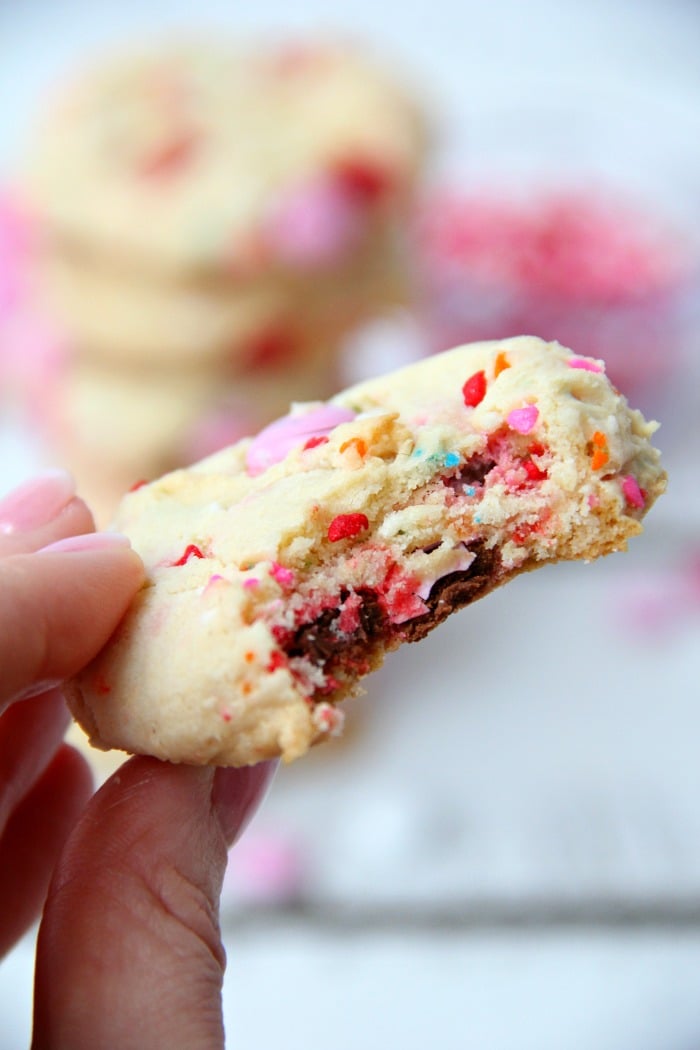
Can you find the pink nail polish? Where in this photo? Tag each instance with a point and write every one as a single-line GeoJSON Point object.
{"type": "Point", "coordinates": [89, 541]}
{"type": "Point", "coordinates": [36, 502]}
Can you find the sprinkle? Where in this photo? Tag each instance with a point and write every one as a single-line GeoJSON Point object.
{"type": "Point", "coordinates": [452, 459]}
{"type": "Point", "coordinates": [277, 660]}
{"type": "Point", "coordinates": [362, 178]}
{"type": "Point", "coordinates": [169, 157]}
{"type": "Point", "coordinates": [249, 656]}
{"type": "Point", "coordinates": [536, 448]}
{"type": "Point", "coordinates": [251, 582]}
{"type": "Point", "coordinates": [190, 551]}
{"type": "Point", "coordinates": [585, 363]}
{"type": "Point", "coordinates": [534, 472]}
{"type": "Point", "coordinates": [523, 419]}
{"type": "Point", "coordinates": [346, 525]}
{"type": "Point", "coordinates": [474, 389]}
{"type": "Point", "coordinates": [285, 577]}
{"type": "Point", "coordinates": [137, 485]}
{"type": "Point", "coordinates": [632, 492]}
{"type": "Point", "coordinates": [469, 490]}
{"type": "Point", "coordinates": [501, 364]}
{"type": "Point", "coordinates": [212, 581]}
{"type": "Point", "coordinates": [314, 442]}
{"type": "Point", "coordinates": [593, 500]}
{"type": "Point", "coordinates": [600, 452]}
{"type": "Point", "coordinates": [356, 443]}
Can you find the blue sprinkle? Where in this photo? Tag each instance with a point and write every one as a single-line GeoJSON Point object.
{"type": "Point", "coordinates": [418, 452]}
{"type": "Point", "coordinates": [469, 490]}
{"type": "Point", "coordinates": [451, 459]}
{"type": "Point", "coordinates": [477, 519]}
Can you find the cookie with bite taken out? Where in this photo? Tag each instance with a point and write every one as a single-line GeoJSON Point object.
{"type": "Point", "coordinates": [281, 570]}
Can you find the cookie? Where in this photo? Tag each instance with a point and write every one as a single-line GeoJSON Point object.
{"type": "Point", "coordinates": [210, 157]}
{"type": "Point", "coordinates": [118, 315]}
{"type": "Point", "coordinates": [281, 570]}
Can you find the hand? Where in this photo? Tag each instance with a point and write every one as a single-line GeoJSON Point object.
{"type": "Point", "coordinates": [129, 952]}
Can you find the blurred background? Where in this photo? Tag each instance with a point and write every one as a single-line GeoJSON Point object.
{"type": "Point", "coordinates": [503, 851]}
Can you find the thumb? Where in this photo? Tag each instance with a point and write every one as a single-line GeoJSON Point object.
{"type": "Point", "coordinates": [58, 608]}
{"type": "Point", "coordinates": [129, 951]}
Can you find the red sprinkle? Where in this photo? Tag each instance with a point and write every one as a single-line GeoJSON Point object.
{"type": "Point", "coordinates": [533, 471]}
{"type": "Point", "coordinates": [271, 347]}
{"type": "Point", "coordinates": [362, 178]}
{"type": "Point", "coordinates": [170, 157]}
{"type": "Point", "coordinates": [314, 442]}
{"type": "Point", "coordinates": [137, 485]}
{"type": "Point", "coordinates": [474, 389]}
{"type": "Point", "coordinates": [536, 448]}
{"type": "Point", "coordinates": [190, 551]}
{"type": "Point", "coordinates": [277, 660]}
{"type": "Point", "coordinates": [345, 525]}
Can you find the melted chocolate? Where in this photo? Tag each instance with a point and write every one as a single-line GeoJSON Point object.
{"type": "Point", "coordinates": [321, 642]}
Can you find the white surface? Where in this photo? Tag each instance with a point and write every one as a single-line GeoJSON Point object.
{"type": "Point", "coordinates": [535, 752]}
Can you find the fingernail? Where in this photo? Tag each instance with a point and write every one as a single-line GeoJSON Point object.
{"type": "Point", "coordinates": [237, 795]}
{"type": "Point", "coordinates": [89, 541]}
{"type": "Point", "coordinates": [36, 502]}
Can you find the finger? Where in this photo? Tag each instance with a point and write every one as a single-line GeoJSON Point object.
{"type": "Point", "coordinates": [41, 510]}
{"type": "Point", "coordinates": [33, 839]}
{"type": "Point", "coordinates": [129, 951]}
{"type": "Point", "coordinates": [57, 609]}
{"type": "Point", "coordinates": [30, 735]}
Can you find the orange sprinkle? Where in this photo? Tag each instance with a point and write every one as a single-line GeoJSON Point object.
{"type": "Point", "coordinates": [599, 459]}
{"type": "Point", "coordinates": [600, 440]}
{"type": "Point", "coordinates": [249, 657]}
{"type": "Point", "coordinates": [501, 364]}
{"type": "Point", "coordinates": [360, 445]}
{"type": "Point", "coordinates": [246, 688]}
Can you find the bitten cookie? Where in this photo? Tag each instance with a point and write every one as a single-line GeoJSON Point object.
{"type": "Point", "coordinates": [281, 570]}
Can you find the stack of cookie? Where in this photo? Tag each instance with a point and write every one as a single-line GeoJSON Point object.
{"type": "Point", "coordinates": [213, 222]}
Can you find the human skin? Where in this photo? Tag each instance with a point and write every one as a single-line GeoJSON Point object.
{"type": "Point", "coordinates": [127, 881]}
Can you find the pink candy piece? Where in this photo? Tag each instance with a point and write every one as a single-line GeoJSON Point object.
{"type": "Point", "coordinates": [285, 577]}
{"type": "Point", "coordinates": [523, 419]}
{"type": "Point", "coordinates": [585, 363]}
{"type": "Point", "coordinates": [278, 439]}
{"type": "Point", "coordinates": [314, 224]}
{"type": "Point", "coordinates": [632, 492]}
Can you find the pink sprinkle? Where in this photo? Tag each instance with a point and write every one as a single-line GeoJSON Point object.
{"type": "Point", "coordinates": [212, 581]}
{"type": "Point", "coordinates": [586, 363]}
{"type": "Point", "coordinates": [523, 419]}
{"type": "Point", "coordinates": [632, 492]}
{"type": "Point", "coordinates": [285, 577]}
{"type": "Point", "coordinates": [251, 582]}
{"type": "Point", "coordinates": [593, 500]}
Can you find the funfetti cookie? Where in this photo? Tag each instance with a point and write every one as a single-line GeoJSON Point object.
{"type": "Point", "coordinates": [193, 198]}
{"type": "Point", "coordinates": [281, 570]}
{"type": "Point", "coordinates": [214, 156]}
